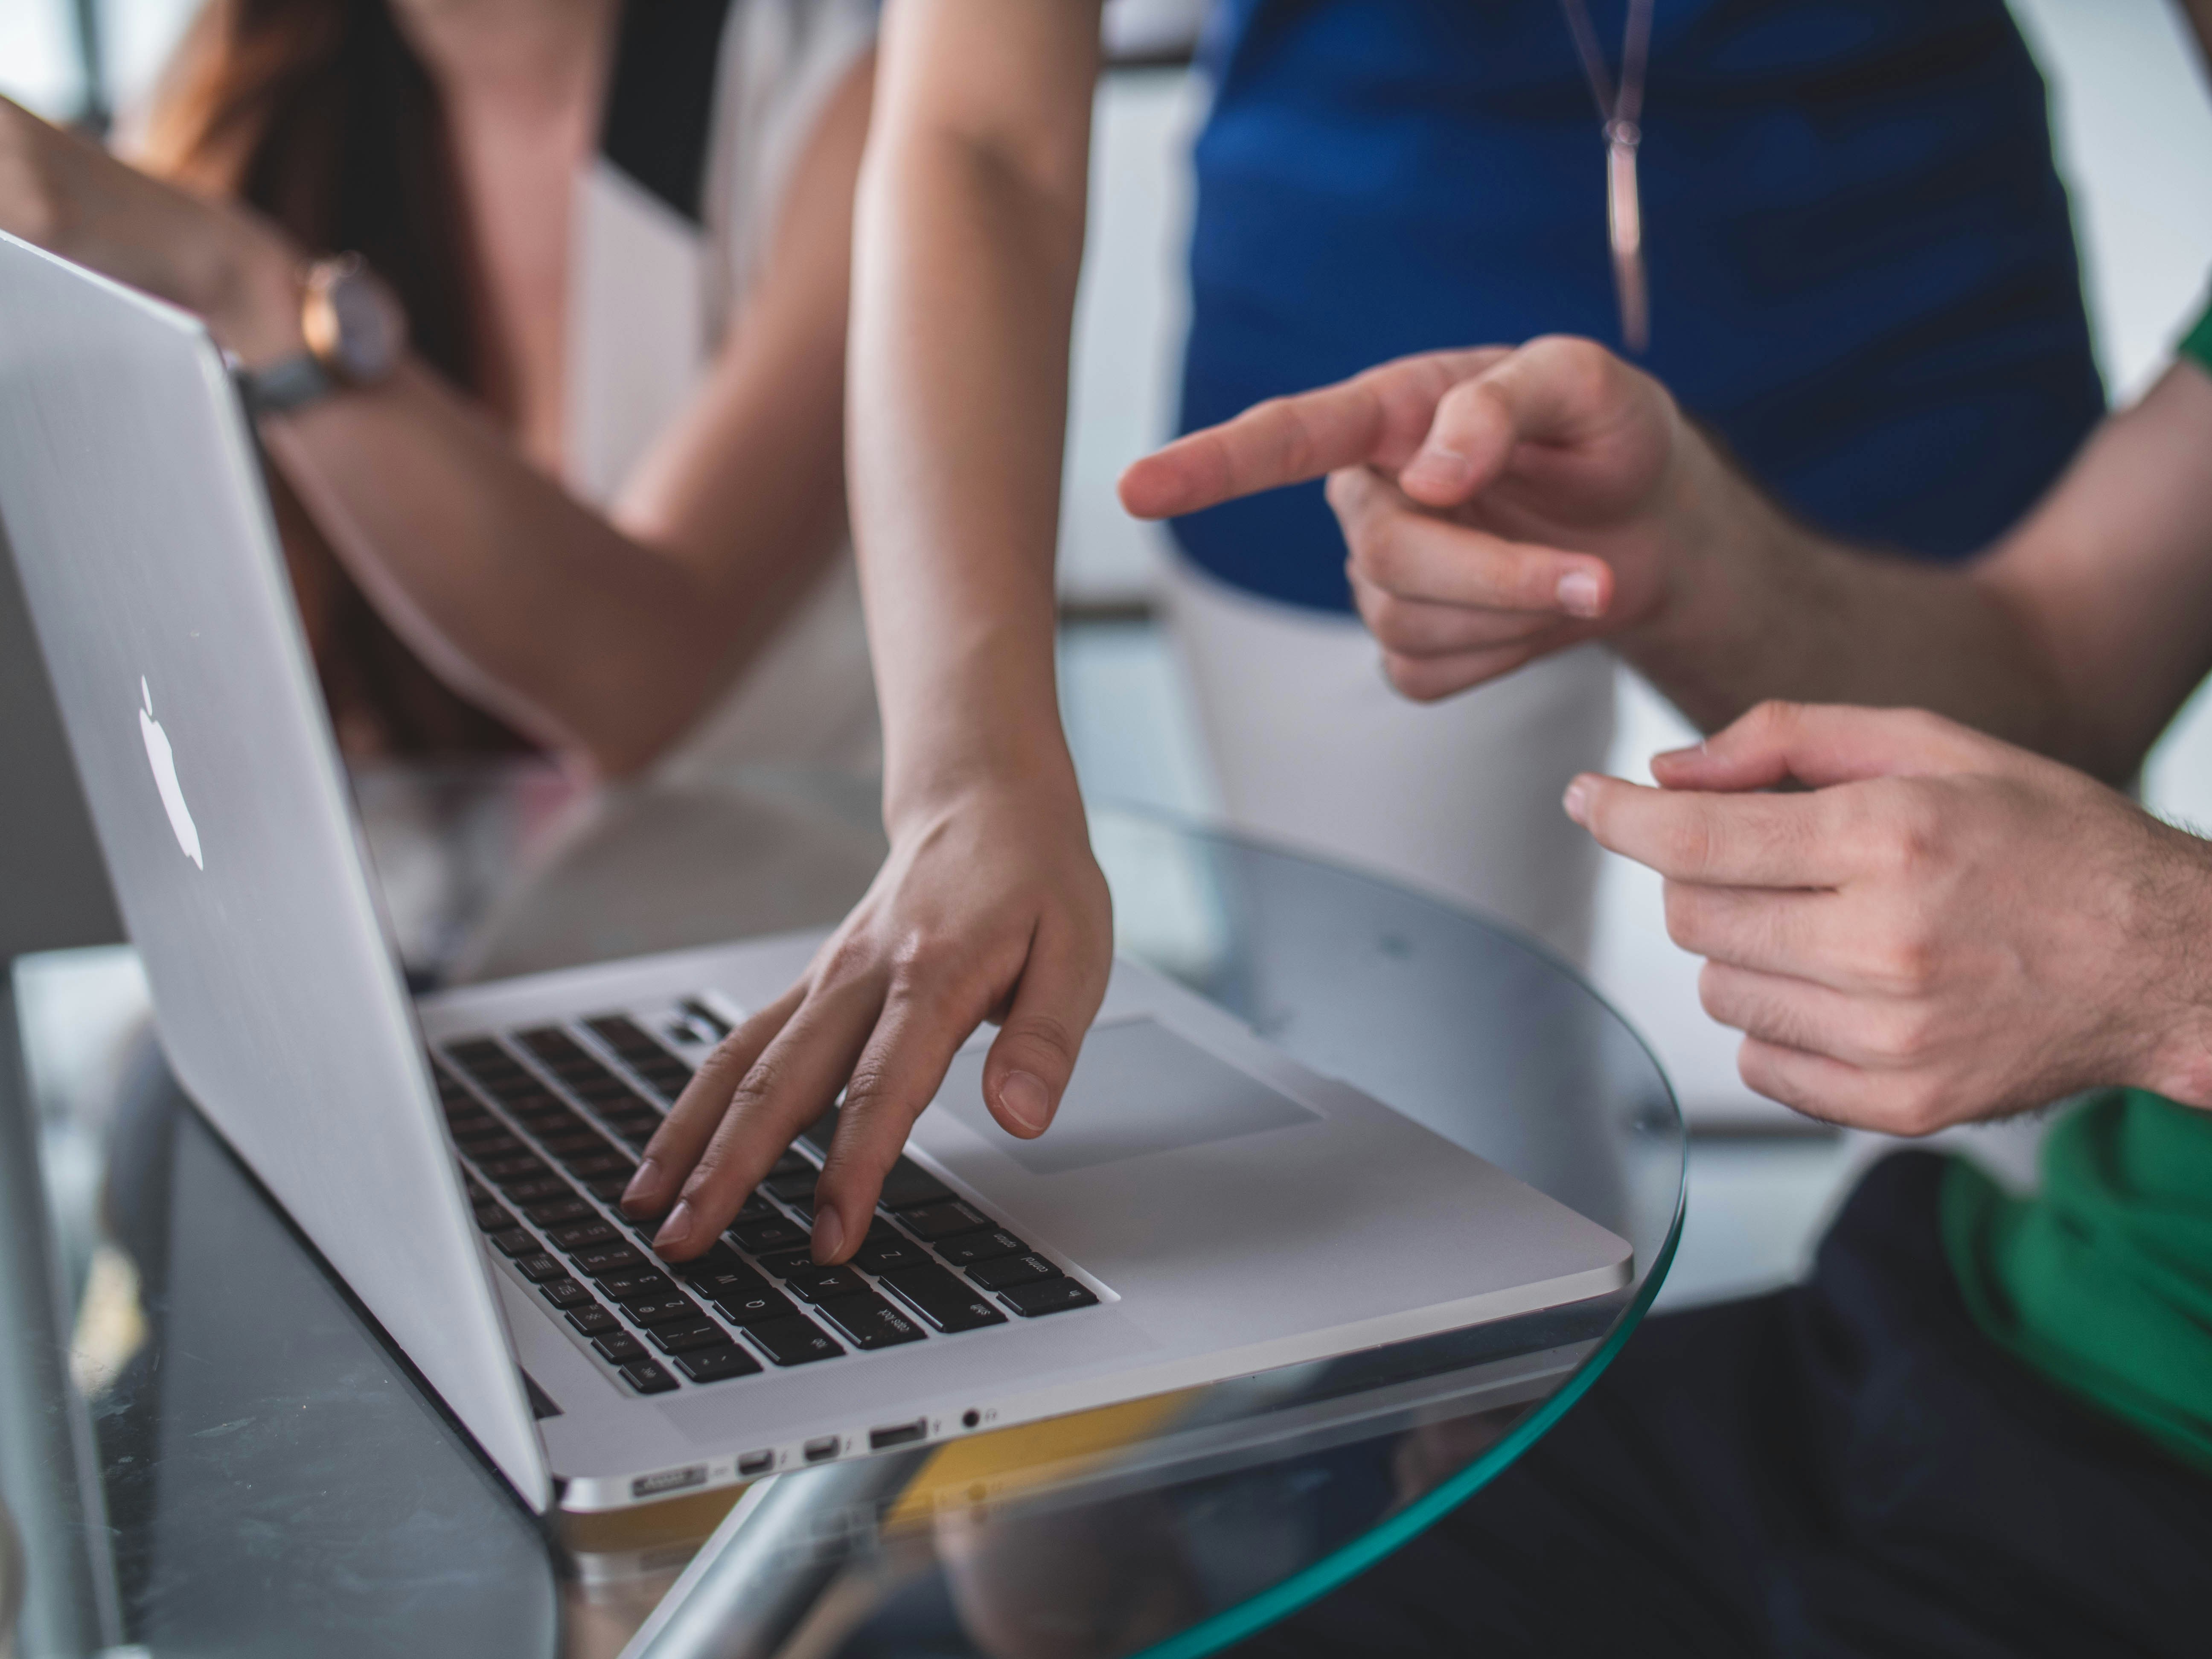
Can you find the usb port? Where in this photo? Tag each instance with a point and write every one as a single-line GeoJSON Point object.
{"type": "Point", "coordinates": [898, 1434]}
{"type": "Point", "coordinates": [758, 1462]}
{"type": "Point", "coordinates": [826, 1447]}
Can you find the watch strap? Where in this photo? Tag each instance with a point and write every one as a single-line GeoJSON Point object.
{"type": "Point", "coordinates": [290, 383]}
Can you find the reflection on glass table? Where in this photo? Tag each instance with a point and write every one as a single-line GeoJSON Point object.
{"type": "Point", "coordinates": [217, 1451]}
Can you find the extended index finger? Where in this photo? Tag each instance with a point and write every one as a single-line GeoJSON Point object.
{"type": "Point", "coordinates": [1376, 419]}
{"type": "Point", "coordinates": [1724, 840]}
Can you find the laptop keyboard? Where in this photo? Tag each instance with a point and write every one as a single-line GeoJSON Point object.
{"type": "Point", "coordinates": [549, 1121]}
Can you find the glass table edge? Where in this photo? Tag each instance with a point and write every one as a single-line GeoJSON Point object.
{"type": "Point", "coordinates": [1311, 1584]}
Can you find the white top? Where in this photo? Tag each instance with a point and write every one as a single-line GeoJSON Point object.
{"type": "Point", "coordinates": [653, 293]}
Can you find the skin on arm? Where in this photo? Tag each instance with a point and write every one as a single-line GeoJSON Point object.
{"type": "Point", "coordinates": [970, 235]}
{"type": "Point", "coordinates": [608, 634]}
{"type": "Point", "coordinates": [1941, 927]}
{"type": "Point", "coordinates": [1556, 494]}
{"type": "Point", "coordinates": [602, 637]}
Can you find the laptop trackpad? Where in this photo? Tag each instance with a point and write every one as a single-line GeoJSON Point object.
{"type": "Point", "coordinates": [1139, 1089]}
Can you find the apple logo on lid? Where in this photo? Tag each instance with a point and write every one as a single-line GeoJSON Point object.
{"type": "Point", "coordinates": [163, 760]}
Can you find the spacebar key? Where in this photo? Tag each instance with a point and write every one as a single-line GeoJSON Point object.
{"type": "Point", "coordinates": [943, 1300]}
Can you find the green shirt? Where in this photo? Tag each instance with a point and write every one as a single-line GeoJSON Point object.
{"type": "Point", "coordinates": [2198, 343]}
{"type": "Point", "coordinates": [2103, 1280]}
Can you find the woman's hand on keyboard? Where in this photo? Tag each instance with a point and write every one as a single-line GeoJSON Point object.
{"type": "Point", "coordinates": [989, 908]}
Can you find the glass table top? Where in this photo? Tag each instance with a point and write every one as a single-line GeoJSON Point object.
{"type": "Point", "coordinates": [205, 1444]}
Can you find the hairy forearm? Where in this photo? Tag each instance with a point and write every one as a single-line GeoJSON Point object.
{"type": "Point", "coordinates": [965, 290]}
{"type": "Point", "coordinates": [1763, 607]}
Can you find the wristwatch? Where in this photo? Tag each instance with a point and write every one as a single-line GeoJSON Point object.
{"type": "Point", "coordinates": [355, 332]}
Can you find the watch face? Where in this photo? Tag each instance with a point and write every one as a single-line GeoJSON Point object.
{"type": "Point", "coordinates": [365, 332]}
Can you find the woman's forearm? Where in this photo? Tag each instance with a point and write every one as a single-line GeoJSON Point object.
{"type": "Point", "coordinates": [970, 238]}
{"type": "Point", "coordinates": [605, 634]}
{"type": "Point", "coordinates": [597, 642]}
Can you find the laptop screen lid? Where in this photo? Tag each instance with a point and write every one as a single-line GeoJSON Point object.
{"type": "Point", "coordinates": [132, 496]}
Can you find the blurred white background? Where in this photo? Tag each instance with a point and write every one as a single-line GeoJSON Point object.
{"type": "Point", "coordinates": [2134, 128]}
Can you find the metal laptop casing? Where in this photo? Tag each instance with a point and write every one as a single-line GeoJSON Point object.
{"type": "Point", "coordinates": [130, 491]}
{"type": "Point", "coordinates": [133, 502]}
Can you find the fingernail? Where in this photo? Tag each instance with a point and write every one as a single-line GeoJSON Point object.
{"type": "Point", "coordinates": [674, 1231]}
{"type": "Point", "coordinates": [1439, 465]}
{"type": "Point", "coordinates": [1578, 593]}
{"type": "Point", "coordinates": [828, 1234]}
{"type": "Point", "coordinates": [1577, 800]}
{"type": "Point", "coordinates": [647, 1178]}
{"type": "Point", "coordinates": [1025, 1099]}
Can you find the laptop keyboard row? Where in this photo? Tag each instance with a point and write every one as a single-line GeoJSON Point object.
{"type": "Point", "coordinates": [549, 1135]}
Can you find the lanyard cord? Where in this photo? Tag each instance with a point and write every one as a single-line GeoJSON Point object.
{"type": "Point", "coordinates": [1635, 49]}
{"type": "Point", "coordinates": [1620, 112]}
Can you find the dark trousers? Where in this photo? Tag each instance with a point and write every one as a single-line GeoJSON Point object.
{"type": "Point", "coordinates": [1847, 1467]}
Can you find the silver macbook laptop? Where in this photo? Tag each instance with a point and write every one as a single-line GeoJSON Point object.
{"type": "Point", "coordinates": [1202, 1208]}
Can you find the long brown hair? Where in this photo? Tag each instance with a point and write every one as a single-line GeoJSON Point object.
{"type": "Point", "coordinates": [319, 114]}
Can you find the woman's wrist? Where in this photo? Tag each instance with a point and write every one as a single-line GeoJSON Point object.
{"type": "Point", "coordinates": [250, 294]}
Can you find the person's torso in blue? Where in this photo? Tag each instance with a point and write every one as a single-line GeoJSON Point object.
{"type": "Point", "coordinates": [1862, 266]}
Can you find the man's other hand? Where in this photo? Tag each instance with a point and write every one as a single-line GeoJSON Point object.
{"type": "Point", "coordinates": [1940, 928]}
{"type": "Point", "coordinates": [1500, 504]}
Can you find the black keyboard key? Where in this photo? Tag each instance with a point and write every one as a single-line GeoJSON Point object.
{"type": "Point", "coordinates": [719, 1270]}
{"type": "Point", "coordinates": [773, 1233]}
{"type": "Point", "coordinates": [793, 1341]}
{"type": "Point", "coordinates": [593, 1166]}
{"type": "Point", "coordinates": [637, 1136]}
{"type": "Point", "coordinates": [682, 1339]}
{"type": "Point", "coordinates": [868, 1321]}
{"type": "Point", "coordinates": [791, 1163]}
{"type": "Point", "coordinates": [497, 1143]}
{"type": "Point", "coordinates": [550, 1043]}
{"type": "Point", "coordinates": [501, 1171]}
{"type": "Point", "coordinates": [619, 1347]}
{"type": "Point", "coordinates": [667, 1078]}
{"type": "Point", "coordinates": [559, 1211]}
{"type": "Point", "coordinates": [969, 1249]}
{"type": "Point", "coordinates": [1011, 1270]}
{"type": "Point", "coordinates": [607, 1259]}
{"type": "Point", "coordinates": [908, 1186]}
{"type": "Point", "coordinates": [538, 1189]}
{"type": "Point", "coordinates": [608, 1189]}
{"type": "Point", "coordinates": [647, 1377]}
{"type": "Point", "coordinates": [638, 1282]}
{"type": "Point", "coordinates": [717, 1364]}
{"type": "Point", "coordinates": [670, 1308]}
{"type": "Point", "coordinates": [799, 1183]}
{"type": "Point", "coordinates": [935, 1221]}
{"type": "Point", "coordinates": [706, 1015]}
{"type": "Point", "coordinates": [785, 1263]}
{"type": "Point", "coordinates": [888, 1253]}
{"type": "Point", "coordinates": [494, 1218]}
{"type": "Point", "coordinates": [582, 1235]}
{"type": "Point", "coordinates": [564, 1292]}
{"type": "Point", "coordinates": [1047, 1295]}
{"type": "Point", "coordinates": [539, 1268]}
{"type": "Point", "coordinates": [513, 1242]}
{"type": "Point", "coordinates": [755, 1208]}
{"type": "Point", "coordinates": [819, 1133]}
{"type": "Point", "coordinates": [620, 1033]}
{"type": "Point", "coordinates": [749, 1308]}
{"type": "Point", "coordinates": [813, 1284]}
{"type": "Point", "coordinates": [578, 1142]}
{"type": "Point", "coordinates": [593, 1320]}
{"type": "Point", "coordinates": [943, 1300]}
